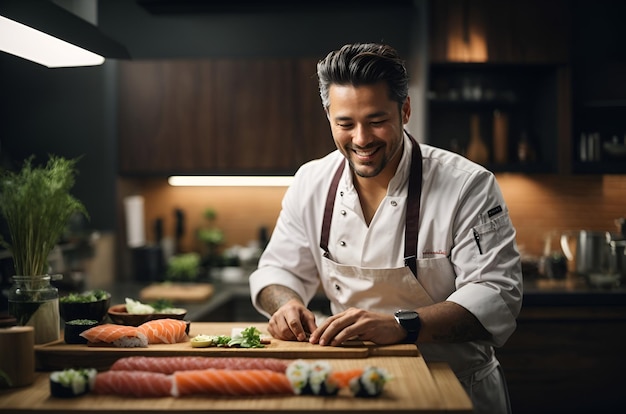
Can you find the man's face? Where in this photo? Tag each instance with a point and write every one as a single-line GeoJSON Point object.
{"type": "Point", "coordinates": [367, 126]}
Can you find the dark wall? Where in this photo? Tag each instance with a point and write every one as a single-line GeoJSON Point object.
{"type": "Point", "coordinates": [64, 112]}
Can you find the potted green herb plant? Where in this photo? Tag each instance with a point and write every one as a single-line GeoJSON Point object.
{"type": "Point", "coordinates": [183, 267]}
{"type": "Point", "coordinates": [36, 203]}
{"type": "Point", "coordinates": [212, 237]}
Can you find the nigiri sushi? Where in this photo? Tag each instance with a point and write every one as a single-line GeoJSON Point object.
{"type": "Point", "coordinates": [230, 382]}
{"type": "Point", "coordinates": [121, 336]}
{"type": "Point", "coordinates": [164, 331]}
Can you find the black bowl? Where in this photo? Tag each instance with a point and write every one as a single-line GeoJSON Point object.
{"type": "Point", "coordinates": [96, 310]}
{"type": "Point", "coordinates": [73, 329]}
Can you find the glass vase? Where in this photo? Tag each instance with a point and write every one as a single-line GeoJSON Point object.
{"type": "Point", "coordinates": [33, 301]}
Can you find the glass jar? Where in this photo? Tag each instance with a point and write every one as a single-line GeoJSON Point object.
{"type": "Point", "coordinates": [33, 301]}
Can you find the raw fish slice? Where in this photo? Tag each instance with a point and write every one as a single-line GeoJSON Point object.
{"type": "Point", "coordinates": [118, 335]}
{"type": "Point", "coordinates": [164, 331]}
{"type": "Point", "coordinates": [230, 382]}
{"type": "Point", "coordinates": [343, 378]}
{"type": "Point", "coordinates": [168, 365]}
{"type": "Point", "coordinates": [133, 383]}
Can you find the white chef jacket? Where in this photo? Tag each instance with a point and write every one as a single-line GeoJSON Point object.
{"type": "Point", "coordinates": [466, 250]}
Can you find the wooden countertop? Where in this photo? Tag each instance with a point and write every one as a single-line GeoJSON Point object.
{"type": "Point", "coordinates": [414, 386]}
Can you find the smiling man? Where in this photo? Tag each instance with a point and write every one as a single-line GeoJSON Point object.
{"type": "Point", "coordinates": [409, 242]}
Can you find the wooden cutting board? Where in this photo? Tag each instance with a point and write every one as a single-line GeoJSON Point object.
{"type": "Point", "coordinates": [177, 292]}
{"type": "Point", "coordinates": [59, 355]}
{"type": "Point", "coordinates": [411, 389]}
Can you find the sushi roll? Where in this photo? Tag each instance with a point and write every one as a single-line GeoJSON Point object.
{"type": "Point", "coordinates": [311, 378]}
{"type": "Point", "coordinates": [320, 379]}
{"type": "Point", "coordinates": [72, 382]}
{"type": "Point", "coordinates": [370, 383]}
{"type": "Point", "coordinates": [298, 375]}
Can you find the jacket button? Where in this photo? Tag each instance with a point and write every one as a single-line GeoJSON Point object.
{"type": "Point", "coordinates": [342, 243]}
{"type": "Point", "coordinates": [343, 212]}
{"type": "Point", "coordinates": [393, 203]}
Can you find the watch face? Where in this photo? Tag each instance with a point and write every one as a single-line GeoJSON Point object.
{"type": "Point", "coordinates": [406, 315]}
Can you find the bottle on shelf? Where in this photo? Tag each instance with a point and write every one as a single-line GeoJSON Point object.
{"type": "Point", "coordinates": [525, 150]}
{"type": "Point", "coordinates": [500, 137]}
{"type": "Point", "coordinates": [477, 150]}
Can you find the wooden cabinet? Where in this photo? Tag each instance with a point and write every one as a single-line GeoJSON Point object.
{"type": "Point", "coordinates": [599, 91]}
{"type": "Point", "coordinates": [567, 359]}
{"type": "Point", "coordinates": [507, 65]}
{"type": "Point", "coordinates": [219, 116]}
{"type": "Point", "coordinates": [518, 107]}
{"type": "Point", "coordinates": [599, 113]}
{"type": "Point", "coordinates": [532, 31]}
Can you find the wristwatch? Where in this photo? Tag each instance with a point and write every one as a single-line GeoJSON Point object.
{"type": "Point", "coordinates": [410, 321]}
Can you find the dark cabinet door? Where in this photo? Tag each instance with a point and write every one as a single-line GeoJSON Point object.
{"type": "Point", "coordinates": [312, 135]}
{"type": "Point", "coordinates": [164, 117]}
{"type": "Point", "coordinates": [253, 115]}
{"type": "Point", "coordinates": [219, 116]}
{"type": "Point", "coordinates": [532, 31]}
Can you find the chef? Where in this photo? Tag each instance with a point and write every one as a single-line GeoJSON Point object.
{"type": "Point", "coordinates": [409, 242]}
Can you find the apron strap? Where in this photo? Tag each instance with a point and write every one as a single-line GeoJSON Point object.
{"type": "Point", "coordinates": [412, 210]}
{"type": "Point", "coordinates": [412, 224]}
{"type": "Point", "coordinates": [328, 210]}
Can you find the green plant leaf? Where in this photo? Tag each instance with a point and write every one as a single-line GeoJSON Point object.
{"type": "Point", "coordinates": [37, 205]}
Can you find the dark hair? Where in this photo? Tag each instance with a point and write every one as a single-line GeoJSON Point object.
{"type": "Point", "coordinates": [363, 64]}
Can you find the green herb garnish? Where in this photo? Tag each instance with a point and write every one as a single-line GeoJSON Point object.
{"type": "Point", "coordinates": [85, 297]}
{"type": "Point", "coordinates": [79, 322]}
{"type": "Point", "coordinates": [248, 338]}
{"type": "Point", "coordinates": [161, 304]}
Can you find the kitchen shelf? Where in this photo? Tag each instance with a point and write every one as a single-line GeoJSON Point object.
{"type": "Point", "coordinates": [526, 94]}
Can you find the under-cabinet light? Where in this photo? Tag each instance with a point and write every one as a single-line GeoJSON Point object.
{"type": "Point", "coordinates": [39, 47]}
{"type": "Point", "coordinates": [229, 181]}
{"type": "Point", "coordinates": [47, 34]}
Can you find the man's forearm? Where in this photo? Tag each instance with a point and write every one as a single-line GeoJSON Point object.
{"type": "Point", "coordinates": [450, 322]}
{"type": "Point", "coordinates": [273, 297]}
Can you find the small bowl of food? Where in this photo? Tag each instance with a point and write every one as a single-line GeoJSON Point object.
{"type": "Point", "coordinates": [92, 305]}
{"type": "Point", "coordinates": [75, 327]}
{"type": "Point", "coordinates": [134, 313]}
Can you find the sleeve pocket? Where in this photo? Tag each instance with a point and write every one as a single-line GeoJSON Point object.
{"type": "Point", "coordinates": [486, 234]}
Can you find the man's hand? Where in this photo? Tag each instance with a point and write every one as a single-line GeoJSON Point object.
{"type": "Point", "coordinates": [292, 321]}
{"type": "Point", "coordinates": [359, 324]}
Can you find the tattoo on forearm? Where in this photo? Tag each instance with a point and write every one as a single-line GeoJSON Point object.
{"type": "Point", "coordinates": [274, 296]}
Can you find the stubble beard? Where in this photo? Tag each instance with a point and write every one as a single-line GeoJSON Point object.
{"type": "Point", "coordinates": [363, 172]}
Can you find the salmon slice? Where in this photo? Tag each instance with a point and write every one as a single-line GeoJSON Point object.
{"type": "Point", "coordinates": [342, 378]}
{"type": "Point", "coordinates": [169, 365]}
{"type": "Point", "coordinates": [164, 331]}
{"type": "Point", "coordinates": [133, 384]}
{"type": "Point", "coordinates": [230, 382]}
{"type": "Point", "coordinates": [115, 334]}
